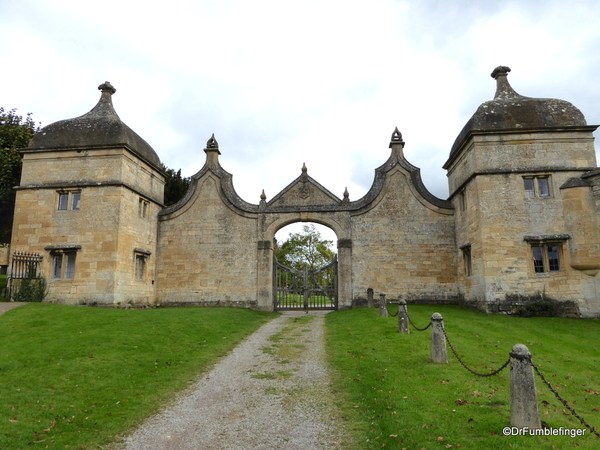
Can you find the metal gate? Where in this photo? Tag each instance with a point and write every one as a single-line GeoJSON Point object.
{"type": "Point", "coordinates": [24, 266]}
{"type": "Point", "coordinates": [305, 289]}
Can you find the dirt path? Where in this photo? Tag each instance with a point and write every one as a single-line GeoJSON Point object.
{"type": "Point", "coordinates": [271, 392]}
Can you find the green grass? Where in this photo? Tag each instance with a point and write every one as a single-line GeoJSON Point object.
{"type": "Point", "coordinates": [78, 377]}
{"type": "Point", "coordinates": [397, 398]}
{"type": "Point", "coordinates": [2, 286]}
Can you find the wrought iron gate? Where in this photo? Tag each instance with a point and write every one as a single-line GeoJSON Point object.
{"type": "Point", "coordinates": [305, 289]}
{"type": "Point", "coordinates": [24, 266]}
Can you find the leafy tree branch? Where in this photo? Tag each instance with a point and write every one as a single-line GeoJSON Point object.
{"type": "Point", "coordinates": [305, 249]}
{"type": "Point", "coordinates": [15, 133]}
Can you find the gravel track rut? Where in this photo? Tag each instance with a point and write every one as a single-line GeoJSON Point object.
{"type": "Point", "coordinates": [271, 392]}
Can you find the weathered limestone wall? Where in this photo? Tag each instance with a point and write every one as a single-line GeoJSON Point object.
{"type": "Point", "coordinates": [593, 177]}
{"type": "Point", "coordinates": [4, 255]}
{"type": "Point", "coordinates": [215, 248]}
{"type": "Point", "coordinates": [136, 235]}
{"type": "Point", "coordinates": [498, 216]}
{"type": "Point", "coordinates": [467, 235]}
{"type": "Point", "coordinates": [404, 246]}
{"type": "Point", "coordinates": [522, 152]}
{"type": "Point", "coordinates": [96, 260]}
{"type": "Point", "coordinates": [104, 232]}
{"type": "Point", "coordinates": [505, 218]}
{"type": "Point", "coordinates": [97, 166]}
{"type": "Point", "coordinates": [585, 203]}
{"type": "Point", "coordinates": [207, 252]}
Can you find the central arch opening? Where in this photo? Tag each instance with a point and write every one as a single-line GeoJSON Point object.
{"type": "Point", "coordinates": [305, 267]}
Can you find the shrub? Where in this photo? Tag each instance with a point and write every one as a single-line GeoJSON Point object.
{"type": "Point", "coordinates": [29, 289]}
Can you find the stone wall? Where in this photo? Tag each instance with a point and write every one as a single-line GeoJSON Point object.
{"type": "Point", "coordinates": [521, 152]}
{"type": "Point", "coordinates": [207, 251]}
{"type": "Point", "coordinates": [499, 222]}
{"type": "Point", "coordinates": [214, 248]}
{"type": "Point", "coordinates": [114, 222]}
{"type": "Point", "coordinates": [4, 258]}
{"type": "Point", "coordinates": [404, 246]}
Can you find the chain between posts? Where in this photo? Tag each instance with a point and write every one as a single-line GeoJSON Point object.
{"type": "Point", "coordinates": [411, 322]}
{"type": "Point", "coordinates": [388, 311]}
{"type": "Point", "coordinates": [495, 372]}
{"type": "Point", "coordinates": [562, 400]}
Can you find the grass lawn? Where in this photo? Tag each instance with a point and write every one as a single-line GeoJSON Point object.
{"type": "Point", "coordinates": [78, 377]}
{"type": "Point", "coordinates": [398, 399]}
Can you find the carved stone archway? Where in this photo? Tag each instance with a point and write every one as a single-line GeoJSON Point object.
{"type": "Point", "coordinates": [215, 248]}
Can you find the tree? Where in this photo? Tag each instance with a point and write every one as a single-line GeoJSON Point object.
{"type": "Point", "coordinates": [175, 186]}
{"type": "Point", "coordinates": [305, 249]}
{"type": "Point", "coordinates": [15, 133]}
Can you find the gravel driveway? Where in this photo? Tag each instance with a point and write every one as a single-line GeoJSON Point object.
{"type": "Point", "coordinates": [271, 392]}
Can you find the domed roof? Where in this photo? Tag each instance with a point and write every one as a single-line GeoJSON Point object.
{"type": "Point", "coordinates": [101, 127]}
{"type": "Point", "coordinates": [509, 110]}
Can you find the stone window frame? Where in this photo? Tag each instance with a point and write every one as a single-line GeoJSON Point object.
{"type": "Point", "coordinates": [143, 206]}
{"type": "Point", "coordinates": [69, 199]}
{"type": "Point", "coordinates": [64, 260]}
{"type": "Point", "coordinates": [537, 186]}
{"type": "Point", "coordinates": [467, 259]}
{"type": "Point", "coordinates": [140, 262]}
{"type": "Point", "coordinates": [462, 200]}
{"type": "Point", "coordinates": [75, 200]}
{"type": "Point", "coordinates": [546, 253]}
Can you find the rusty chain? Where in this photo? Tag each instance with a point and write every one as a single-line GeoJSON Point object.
{"type": "Point", "coordinates": [495, 372]}
{"type": "Point", "coordinates": [562, 400]}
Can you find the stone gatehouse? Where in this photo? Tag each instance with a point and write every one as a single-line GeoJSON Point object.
{"type": "Point", "coordinates": [521, 223]}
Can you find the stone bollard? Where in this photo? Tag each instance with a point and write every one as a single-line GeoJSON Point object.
{"type": "Point", "coordinates": [439, 354]}
{"type": "Point", "coordinates": [402, 317]}
{"type": "Point", "coordinates": [524, 410]}
{"type": "Point", "coordinates": [383, 312]}
{"type": "Point", "coordinates": [370, 302]}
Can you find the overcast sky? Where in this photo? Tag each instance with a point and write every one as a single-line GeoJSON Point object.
{"type": "Point", "coordinates": [282, 83]}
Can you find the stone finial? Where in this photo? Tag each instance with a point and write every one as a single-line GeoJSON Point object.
{"type": "Point", "coordinates": [107, 87]}
{"type": "Point", "coordinates": [396, 142]}
{"type": "Point", "coordinates": [212, 143]}
{"type": "Point", "coordinates": [500, 71]}
{"type": "Point", "coordinates": [304, 179]}
{"type": "Point", "coordinates": [397, 136]}
{"type": "Point", "coordinates": [263, 201]}
{"type": "Point", "coordinates": [212, 151]}
{"type": "Point", "coordinates": [503, 88]}
{"type": "Point", "coordinates": [346, 195]}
